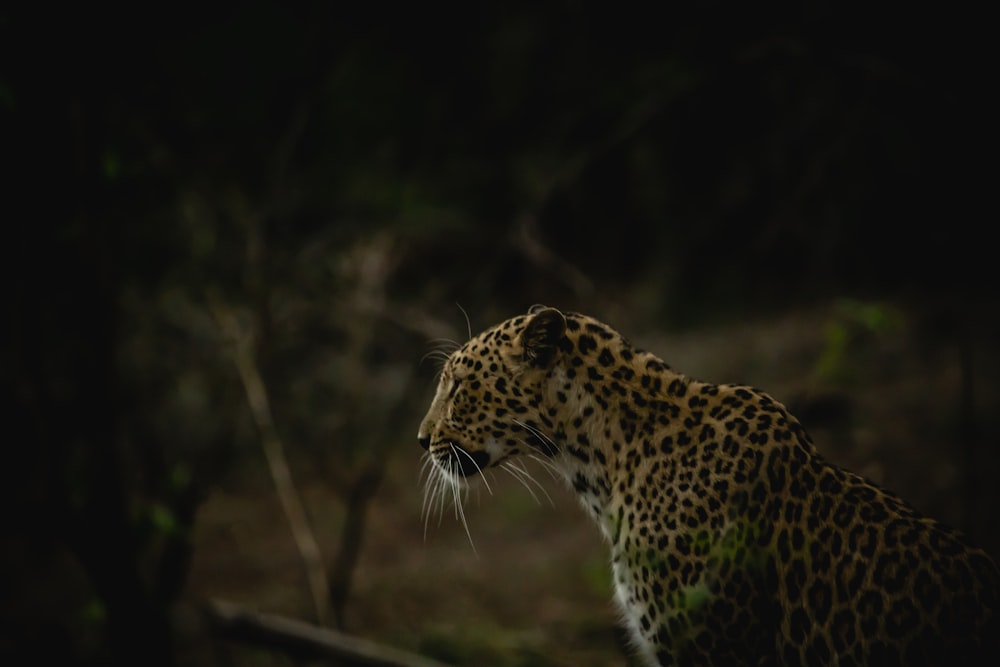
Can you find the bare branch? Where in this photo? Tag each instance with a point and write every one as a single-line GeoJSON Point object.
{"type": "Point", "coordinates": [306, 640]}
{"type": "Point", "coordinates": [244, 356]}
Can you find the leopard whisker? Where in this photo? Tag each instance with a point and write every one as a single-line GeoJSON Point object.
{"type": "Point", "coordinates": [523, 477]}
{"type": "Point", "coordinates": [538, 434]}
{"type": "Point", "coordinates": [443, 487]}
{"type": "Point", "coordinates": [441, 352]}
{"type": "Point", "coordinates": [468, 322]}
{"type": "Point", "coordinates": [426, 468]}
{"type": "Point", "coordinates": [439, 483]}
{"type": "Point", "coordinates": [445, 343]}
{"type": "Point", "coordinates": [440, 355]}
{"type": "Point", "coordinates": [550, 467]}
{"type": "Point", "coordinates": [523, 483]}
{"type": "Point", "coordinates": [426, 483]}
{"type": "Point", "coordinates": [456, 491]}
{"type": "Point", "coordinates": [531, 478]}
{"type": "Point", "coordinates": [432, 493]}
{"type": "Point", "coordinates": [458, 500]}
{"type": "Point", "coordinates": [469, 456]}
{"type": "Point", "coordinates": [516, 475]}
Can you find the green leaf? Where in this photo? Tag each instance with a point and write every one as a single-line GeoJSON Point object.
{"type": "Point", "coordinates": [163, 519]}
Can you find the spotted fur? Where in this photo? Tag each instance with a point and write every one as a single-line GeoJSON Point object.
{"type": "Point", "coordinates": [733, 541]}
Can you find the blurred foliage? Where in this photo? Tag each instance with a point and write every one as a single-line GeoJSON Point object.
{"type": "Point", "coordinates": [853, 321]}
{"type": "Point", "coordinates": [486, 645]}
{"type": "Point", "coordinates": [340, 176]}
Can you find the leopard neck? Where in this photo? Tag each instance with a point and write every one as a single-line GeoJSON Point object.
{"type": "Point", "coordinates": [619, 398]}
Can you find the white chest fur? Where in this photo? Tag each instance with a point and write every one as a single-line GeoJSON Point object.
{"type": "Point", "coordinates": [632, 610]}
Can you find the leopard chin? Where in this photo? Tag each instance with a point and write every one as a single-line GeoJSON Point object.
{"type": "Point", "coordinates": [453, 457]}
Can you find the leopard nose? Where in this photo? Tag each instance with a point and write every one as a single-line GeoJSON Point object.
{"type": "Point", "coordinates": [425, 441]}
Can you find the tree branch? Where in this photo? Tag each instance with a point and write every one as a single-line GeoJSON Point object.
{"type": "Point", "coordinates": [305, 640]}
{"type": "Point", "coordinates": [274, 451]}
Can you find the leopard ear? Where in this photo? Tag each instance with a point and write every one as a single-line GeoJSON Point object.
{"type": "Point", "coordinates": [537, 308]}
{"type": "Point", "coordinates": [541, 336]}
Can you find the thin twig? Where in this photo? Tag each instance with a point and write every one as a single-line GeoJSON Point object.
{"type": "Point", "coordinates": [244, 356]}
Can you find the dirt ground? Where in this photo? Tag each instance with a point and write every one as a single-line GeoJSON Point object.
{"type": "Point", "coordinates": [883, 390]}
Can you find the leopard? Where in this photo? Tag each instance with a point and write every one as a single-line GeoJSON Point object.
{"type": "Point", "coordinates": [733, 540]}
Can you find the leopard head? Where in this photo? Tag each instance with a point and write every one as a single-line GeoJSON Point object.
{"type": "Point", "coordinates": [488, 406]}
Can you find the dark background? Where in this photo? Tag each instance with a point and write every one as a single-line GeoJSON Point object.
{"type": "Point", "coordinates": [332, 180]}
